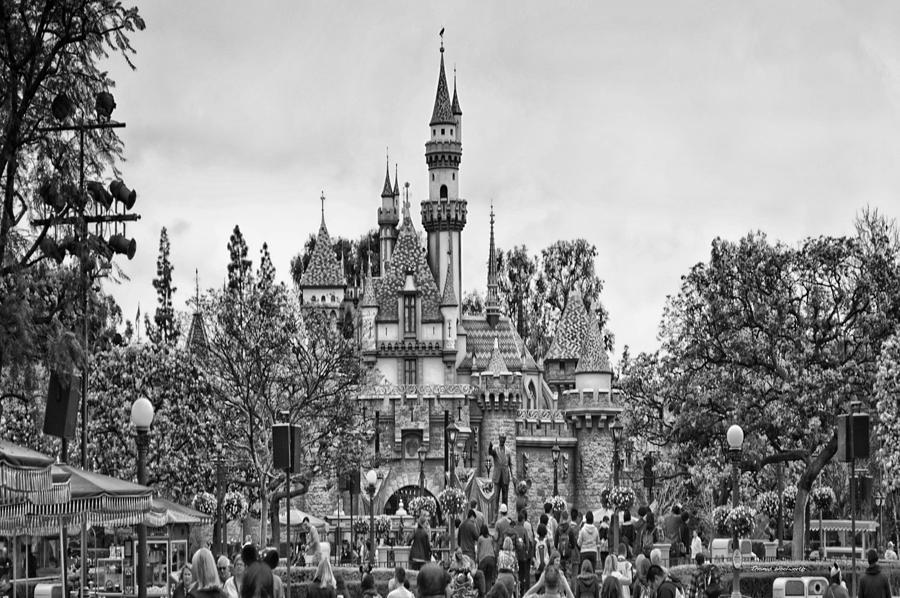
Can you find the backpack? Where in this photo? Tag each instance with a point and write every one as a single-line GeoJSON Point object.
{"type": "Point", "coordinates": [542, 552]}
{"type": "Point", "coordinates": [564, 548]}
{"type": "Point", "coordinates": [521, 543]}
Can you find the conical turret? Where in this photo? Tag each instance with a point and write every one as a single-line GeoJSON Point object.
{"type": "Point", "coordinates": [492, 301]}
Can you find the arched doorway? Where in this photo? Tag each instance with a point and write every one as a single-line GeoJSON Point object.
{"type": "Point", "coordinates": [406, 494]}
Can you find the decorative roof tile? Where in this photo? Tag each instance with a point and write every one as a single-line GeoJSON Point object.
{"type": "Point", "coordinates": [323, 270]}
{"type": "Point", "coordinates": [593, 351]}
{"type": "Point", "coordinates": [408, 257]}
{"type": "Point", "coordinates": [368, 298]}
{"type": "Point", "coordinates": [387, 191]}
{"type": "Point", "coordinates": [497, 365]}
{"type": "Point", "coordinates": [571, 330]}
{"type": "Point", "coordinates": [443, 112]}
{"type": "Point", "coordinates": [456, 109]}
{"type": "Point", "coordinates": [480, 344]}
{"type": "Point", "coordinates": [449, 297]}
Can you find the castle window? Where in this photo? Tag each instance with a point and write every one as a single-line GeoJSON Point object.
{"type": "Point", "coordinates": [313, 298]}
{"type": "Point", "coordinates": [443, 131]}
{"type": "Point", "coordinates": [443, 191]}
{"type": "Point", "coordinates": [454, 175]}
{"type": "Point", "coordinates": [409, 371]}
{"type": "Point", "coordinates": [451, 132]}
{"type": "Point", "coordinates": [409, 314]}
{"type": "Point", "coordinates": [433, 132]}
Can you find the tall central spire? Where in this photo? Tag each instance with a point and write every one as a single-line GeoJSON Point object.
{"type": "Point", "coordinates": [443, 110]}
{"type": "Point", "coordinates": [492, 302]}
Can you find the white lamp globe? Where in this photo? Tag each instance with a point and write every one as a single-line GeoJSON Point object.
{"type": "Point", "coordinates": [142, 414]}
{"type": "Point", "coordinates": [371, 477]}
{"type": "Point", "coordinates": [735, 436]}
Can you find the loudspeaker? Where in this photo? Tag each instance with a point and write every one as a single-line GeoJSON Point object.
{"type": "Point", "coordinates": [286, 447]}
{"type": "Point", "coordinates": [62, 405]}
{"type": "Point", "coordinates": [353, 482]}
{"type": "Point", "coordinates": [860, 436]}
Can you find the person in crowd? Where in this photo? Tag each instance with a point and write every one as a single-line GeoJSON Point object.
{"type": "Point", "coordinates": [524, 552]}
{"type": "Point", "coordinates": [401, 585]}
{"type": "Point", "coordinates": [873, 583]}
{"type": "Point", "coordinates": [324, 584]}
{"type": "Point", "coordinates": [705, 580]}
{"type": "Point", "coordinates": [627, 533]}
{"type": "Point", "coordinates": [462, 583]}
{"type": "Point", "coordinates": [432, 581]}
{"type": "Point", "coordinates": [232, 588]}
{"type": "Point", "coordinates": [503, 523]}
{"type": "Point", "coordinates": [611, 588]}
{"type": "Point", "coordinates": [542, 549]}
{"type": "Point", "coordinates": [313, 547]}
{"type": "Point", "coordinates": [639, 586]}
{"type": "Point", "coordinates": [552, 523]}
{"type": "Point", "coordinates": [658, 583]}
{"type": "Point", "coordinates": [686, 534]}
{"type": "Point", "coordinates": [258, 581]}
{"type": "Point", "coordinates": [508, 566]}
{"type": "Point", "coordinates": [836, 586]}
{"type": "Point", "coordinates": [696, 543]}
{"type": "Point", "coordinates": [890, 554]}
{"type": "Point", "coordinates": [565, 541]}
{"type": "Point", "coordinates": [498, 590]}
{"type": "Point", "coordinates": [367, 586]}
{"type": "Point", "coordinates": [224, 568]}
{"type": "Point", "coordinates": [564, 586]}
{"type": "Point", "coordinates": [575, 517]}
{"type": "Point", "coordinates": [420, 551]}
{"type": "Point", "coordinates": [485, 556]}
{"type": "Point", "coordinates": [467, 537]}
{"type": "Point", "coordinates": [249, 554]}
{"type": "Point", "coordinates": [206, 578]}
{"type": "Point", "coordinates": [589, 540]}
{"type": "Point", "coordinates": [648, 538]}
{"type": "Point", "coordinates": [625, 569]}
{"type": "Point", "coordinates": [552, 586]}
{"type": "Point", "coordinates": [603, 546]}
{"type": "Point", "coordinates": [672, 528]}
{"type": "Point", "coordinates": [348, 556]}
{"type": "Point", "coordinates": [271, 559]}
{"type": "Point", "coordinates": [5, 572]}
{"type": "Point", "coordinates": [479, 516]}
{"type": "Point", "coordinates": [586, 584]}
{"type": "Point", "coordinates": [611, 569]}
{"type": "Point", "coordinates": [185, 581]}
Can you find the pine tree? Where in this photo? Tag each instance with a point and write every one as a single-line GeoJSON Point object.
{"type": "Point", "coordinates": [239, 273]}
{"type": "Point", "coordinates": [266, 272]}
{"type": "Point", "coordinates": [166, 329]}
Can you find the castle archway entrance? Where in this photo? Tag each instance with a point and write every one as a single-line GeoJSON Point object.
{"type": "Point", "coordinates": [406, 494]}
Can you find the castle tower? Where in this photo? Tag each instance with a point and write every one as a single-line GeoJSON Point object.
{"type": "Point", "coordinates": [323, 285]}
{"type": "Point", "coordinates": [492, 300]}
{"type": "Point", "coordinates": [450, 313]}
{"type": "Point", "coordinates": [590, 410]}
{"type": "Point", "coordinates": [388, 219]}
{"type": "Point", "coordinates": [444, 213]}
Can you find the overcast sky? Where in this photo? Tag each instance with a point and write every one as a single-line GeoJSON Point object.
{"type": "Point", "coordinates": [648, 128]}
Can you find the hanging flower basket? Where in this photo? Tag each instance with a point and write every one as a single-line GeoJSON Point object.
{"type": "Point", "coordinates": [789, 496]}
{"type": "Point", "coordinates": [361, 526]}
{"type": "Point", "coordinates": [622, 498]}
{"type": "Point", "coordinates": [604, 498]}
{"type": "Point", "coordinates": [235, 506]}
{"type": "Point", "coordinates": [422, 503]}
{"type": "Point", "coordinates": [767, 503]}
{"type": "Point", "coordinates": [205, 502]}
{"type": "Point", "coordinates": [823, 498]}
{"type": "Point", "coordinates": [719, 515]}
{"type": "Point", "coordinates": [452, 501]}
{"type": "Point", "coordinates": [740, 521]}
{"type": "Point", "coordinates": [382, 525]}
{"type": "Point", "coordinates": [558, 503]}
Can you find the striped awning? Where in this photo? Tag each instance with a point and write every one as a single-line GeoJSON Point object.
{"type": "Point", "coordinates": [174, 513]}
{"type": "Point", "coordinates": [22, 470]}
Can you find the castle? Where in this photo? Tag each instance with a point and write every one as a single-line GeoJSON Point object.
{"type": "Point", "coordinates": [434, 365]}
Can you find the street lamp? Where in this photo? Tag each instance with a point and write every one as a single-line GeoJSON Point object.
{"type": "Point", "coordinates": [878, 499]}
{"type": "Point", "coordinates": [555, 452]}
{"type": "Point", "coordinates": [452, 434]}
{"type": "Point", "coordinates": [141, 418]}
{"type": "Point", "coordinates": [371, 479]}
{"type": "Point", "coordinates": [649, 476]}
{"type": "Point", "coordinates": [617, 439]}
{"type": "Point", "coordinates": [735, 437]}
{"type": "Point", "coordinates": [422, 452]}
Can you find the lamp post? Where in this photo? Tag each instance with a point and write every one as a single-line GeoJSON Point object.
{"type": "Point", "coordinates": [649, 476]}
{"type": "Point", "coordinates": [555, 452]}
{"type": "Point", "coordinates": [452, 435]}
{"type": "Point", "coordinates": [735, 437]}
{"type": "Point", "coordinates": [141, 418]}
{"type": "Point", "coordinates": [61, 199]}
{"type": "Point", "coordinates": [371, 479]}
{"type": "Point", "coordinates": [422, 452]}
{"type": "Point", "coordinates": [614, 524]}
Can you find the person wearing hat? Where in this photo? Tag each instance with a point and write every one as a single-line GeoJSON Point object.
{"type": "Point", "coordinates": [836, 587]}
{"type": "Point", "coordinates": [890, 554]}
{"type": "Point", "coordinates": [500, 473]}
{"type": "Point", "coordinates": [503, 524]}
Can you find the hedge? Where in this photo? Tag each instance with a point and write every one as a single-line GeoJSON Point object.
{"type": "Point", "coordinates": [351, 576]}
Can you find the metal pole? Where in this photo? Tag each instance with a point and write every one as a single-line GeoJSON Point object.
{"type": "Point", "coordinates": [556, 477]}
{"type": "Point", "coordinates": [371, 490]}
{"type": "Point", "coordinates": [219, 529]}
{"type": "Point", "coordinates": [735, 500]}
{"type": "Point", "coordinates": [290, 550]}
{"type": "Point", "coordinates": [143, 443]}
{"type": "Point", "coordinates": [84, 316]}
{"type": "Point", "coordinates": [614, 524]}
{"type": "Point", "coordinates": [853, 587]}
{"type": "Point", "coordinates": [780, 508]}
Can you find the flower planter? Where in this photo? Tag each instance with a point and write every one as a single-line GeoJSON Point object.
{"type": "Point", "coordinates": [771, 550]}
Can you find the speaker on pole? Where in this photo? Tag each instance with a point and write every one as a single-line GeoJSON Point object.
{"type": "Point", "coordinates": [281, 446]}
{"type": "Point", "coordinates": [62, 405]}
{"type": "Point", "coordinates": [353, 482]}
{"type": "Point", "coordinates": [860, 436]}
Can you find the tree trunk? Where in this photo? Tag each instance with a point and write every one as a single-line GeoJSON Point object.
{"type": "Point", "coordinates": [804, 485]}
{"type": "Point", "coordinates": [274, 521]}
{"type": "Point", "coordinates": [263, 513]}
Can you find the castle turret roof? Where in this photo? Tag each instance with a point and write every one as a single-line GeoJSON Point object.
{"type": "Point", "coordinates": [387, 191]}
{"type": "Point", "coordinates": [456, 109]}
{"type": "Point", "coordinates": [368, 298]}
{"type": "Point", "coordinates": [571, 330]}
{"type": "Point", "coordinates": [497, 365]}
{"type": "Point", "coordinates": [443, 111]}
{"type": "Point", "coordinates": [323, 269]}
{"type": "Point", "coordinates": [593, 351]}
{"type": "Point", "coordinates": [408, 257]}
{"type": "Point", "coordinates": [196, 341]}
{"type": "Point", "coordinates": [448, 299]}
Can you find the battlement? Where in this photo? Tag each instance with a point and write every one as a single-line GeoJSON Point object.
{"type": "Point", "coordinates": [444, 214]}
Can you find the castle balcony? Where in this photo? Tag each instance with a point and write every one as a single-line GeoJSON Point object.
{"type": "Point", "coordinates": [410, 348]}
{"type": "Point", "coordinates": [444, 214]}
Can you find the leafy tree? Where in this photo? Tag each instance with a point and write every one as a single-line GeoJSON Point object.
{"type": "Point", "coordinates": [774, 337]}
{"type": "Point", "coordinates": [472, 304]}
{"type": "Point", "coordinates": [46, 48]}
{"type": "Point", "coordinates": [240, 275]}
{"type": "Point", "coordinates": [166, 329]}
{"type": "Point", "coordinates": [517, 272]}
